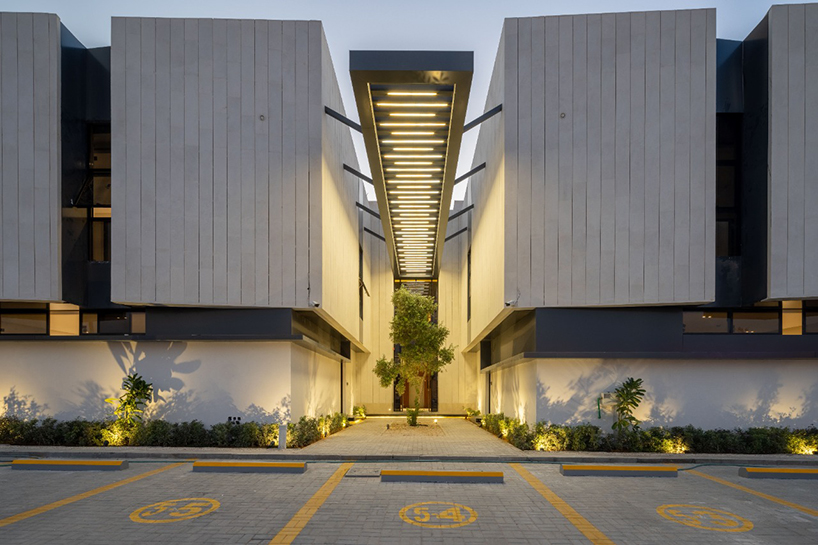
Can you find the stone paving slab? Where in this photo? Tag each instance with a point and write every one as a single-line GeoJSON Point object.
{"type": "Point", "coordinates": [253, 508]}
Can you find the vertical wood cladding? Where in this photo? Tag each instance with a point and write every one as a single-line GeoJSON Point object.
{"type": "Point", "coordinates": [228, 186]}
{"type": "Point", "coordinates": [30, 160]}
{"type": "Point", "coordinates": [609, 165]}
{"type": "Point", "coordinates": [793, 152]}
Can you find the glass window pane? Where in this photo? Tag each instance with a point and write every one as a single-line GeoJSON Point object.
{"type": "Point", "coordinates": [64, 319]}
{"type": "Point", "coordinates": [137, 323]}
{"type": "Point", "coordinates": [101, 240]}
{"type": "Point", "coordinates": [755, 322]}
{"type": "Point", "coordinates": [102, 190]}
{"type": "Point", "coordinates": [24, 306]}
{"type": "Point", "coordinates": [810, 316]}
{"type": "Point", "coordinates": [705, 322]}
{"type": "Point", "coordinates": [113, 324]}
{"type": "Point", "coordinates": [23, 324]}
{"type": "Point", "coordinates": [89, 323]}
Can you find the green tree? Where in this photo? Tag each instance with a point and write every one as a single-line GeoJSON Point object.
{"type": "Point", "coordinates": [421, 340]}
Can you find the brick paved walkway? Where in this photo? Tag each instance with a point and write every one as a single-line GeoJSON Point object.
{"type": "Point", "coordinates": [449, 437]}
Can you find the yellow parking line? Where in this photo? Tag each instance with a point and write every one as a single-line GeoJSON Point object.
{"type": "Point", "coordinates": [45, 508]}
{"type": "Point", "coordinates": [300, 519]}
{"type": "Point", "coordinates": [580, 523]}
{"type": "Point", "coordinates": [801, 508]}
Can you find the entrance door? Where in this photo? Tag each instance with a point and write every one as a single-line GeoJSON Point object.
{"type": "Point", "coordinates": [427, 395]}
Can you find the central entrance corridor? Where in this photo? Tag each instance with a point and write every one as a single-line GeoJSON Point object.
{"type": "Point", "coordinates": [446, 437]}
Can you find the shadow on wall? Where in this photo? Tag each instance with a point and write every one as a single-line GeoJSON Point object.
{"type": "Point", "coordinates": [576, 403]}
{"type": "Point", "coordinates": [161, 363]}
{"type": "Point", "coordinates": [156, 362]}
{"type": "Point", "coordinates": [766, 397]}
{"type": "Point", "coordinates": [92, 404]}
{"type": "Point", "coordinates": [23, 407]}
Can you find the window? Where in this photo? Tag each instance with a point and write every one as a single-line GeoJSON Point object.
{"type": "Point", "coordinates": [64, 319]}
{"type": "Point", "coordinates": [360, 282]}
{"type": "Point", "coordinates": [706, 322]}
{"type": "Point", "coordinates": [23, 319]}
{"type": "Point", "coordinates": [756, 322]}
{"type": "Point", "coordinates": [112, 323]}
{"type": "Point", "coordinates": [99, 213]}
{"type": "Point", "coordinates": [728, 185]}
{"type": "Point", "coordinates": [792, 319]}
{"type": "Point", "coordinates": [468, 285]}
{"type": "Point", "coordinates": [764, 318]}
{"type": "Point", "coordinates": [810, 316]}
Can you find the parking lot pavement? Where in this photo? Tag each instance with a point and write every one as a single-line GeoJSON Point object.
{"type": "Point", "coordinates": [535, 504]}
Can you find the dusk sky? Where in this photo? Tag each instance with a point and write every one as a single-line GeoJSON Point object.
{"type": "Point", "coordinates": [466, 25]}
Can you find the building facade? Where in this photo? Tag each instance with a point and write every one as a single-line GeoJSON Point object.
{"type": "Point", "coordinates": [187, 204]}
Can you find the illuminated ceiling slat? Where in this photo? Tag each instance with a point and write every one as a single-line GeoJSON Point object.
{"type": "Point", "coordinates": [412, 106]}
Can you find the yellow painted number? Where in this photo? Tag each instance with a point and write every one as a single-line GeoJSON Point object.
{"type": "Point", "coordinates": [421, 514]}
{"type": "Point", "coordinates": [452, 514]}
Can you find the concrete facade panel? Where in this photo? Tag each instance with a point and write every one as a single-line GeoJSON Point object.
{"type": "Point", "coordinates": [30, 157]}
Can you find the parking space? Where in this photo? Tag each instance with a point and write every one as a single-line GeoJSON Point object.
{"type": "Point", "coordinates": [167, 502]}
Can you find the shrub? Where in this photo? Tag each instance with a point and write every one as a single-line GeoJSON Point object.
{"type": "Point", "coordinates": [129, 406]}
{"type": "Point", "coordinates": [412, 416]}
{"type": "Point", "coordinates": [359, 411]}
{"type": "Point", "coordinates": [337, 423]}
{"type": "Point", "coordinates": [190, 434]}
{"type": "Point", "coordinates": [303, 433]}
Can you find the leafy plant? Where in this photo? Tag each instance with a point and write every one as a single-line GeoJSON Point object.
{"type": "Point", "coordinates": [359, 411]}
{"type": "Point", "coordinates": [629, 395]}
{"type": "Point", "coordinates": [129, 406]}
{"type": "Point", "coordinates": [412, 416]}
{"type": "Point", "coordinates": [422, 352]}
{"type": "Point", "coordinates": [472, 412]}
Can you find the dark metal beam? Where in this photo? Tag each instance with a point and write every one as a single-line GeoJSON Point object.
{"type": "Point", "coordinates": [460, 232]}
{"type": "Point", "coordinates": [368, 210]}
{"type": "Point", "coordinates": [343, 119]}
{"type": "Point", "coordinates": [374, 234]}
{"type": "Point", "coordinates": [360, 175]}
{"type": "Point", "coordinates": [489, 114]}
{"type": "Point", "coordinates": [470, 173]}
{"type": "Point", "coordinates": [461, 212]}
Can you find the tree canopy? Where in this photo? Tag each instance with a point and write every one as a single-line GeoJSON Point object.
{"type": "Point", "coordinates": [421, 340]}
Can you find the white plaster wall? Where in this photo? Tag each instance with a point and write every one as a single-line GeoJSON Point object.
{"type": "Point", "coordinates": [378, 312]}
{"type": "Point", "coordinates": [207, 381]}
{"type": "Point", "coordinates": [706, 394]}
{"type": "Point", "coordinates": [513, 392]}
{"type": "Point", "coordinates": [316, 383]}
{"type": "Point", "coordinates": [457, 383]}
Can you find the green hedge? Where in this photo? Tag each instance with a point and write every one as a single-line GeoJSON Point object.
{"type": "Point", "coordinates": [587, 437]}
{"type": "Point", "coordinates": [158, 433]}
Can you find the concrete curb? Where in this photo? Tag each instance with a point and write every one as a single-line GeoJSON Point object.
{"type": "Point", "coordinates": [476, 477]}
{"type": "Point", "coordinates": [572, 470]}
{"type": "Point", "coordinates": [69, 465]}
{"type": "Point", "coordinates": [249, 467]}
{"type": "Point", "coordinates": [151, 453]}
{"type": "Point", "coordinates": [778, 473]}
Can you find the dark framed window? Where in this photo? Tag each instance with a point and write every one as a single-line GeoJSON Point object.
{"type": "Point", "coordinates": [757, 322]}
{"type": "Point", "coordinates": [99, 213]}
{"type": "Point", "coordinates": [696, 321]}
{"type": "Point", "coordinates": [23, 319]}
{"type": "Point", "coordinates": [100, 231]}
{"type": "Point", "coordinates": [106, 322]}
{"type": "Point", "coordinates": [811, 317]}
{"type": "Point", "coordinates": [763, 319]}
{"type": "Point", "coordinates": [468, 285]}
{"type": "Point", "coordinates": [728, 185]}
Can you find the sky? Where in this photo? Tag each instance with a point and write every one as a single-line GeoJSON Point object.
{"type": "Point", "coordinates": [458, 25]}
